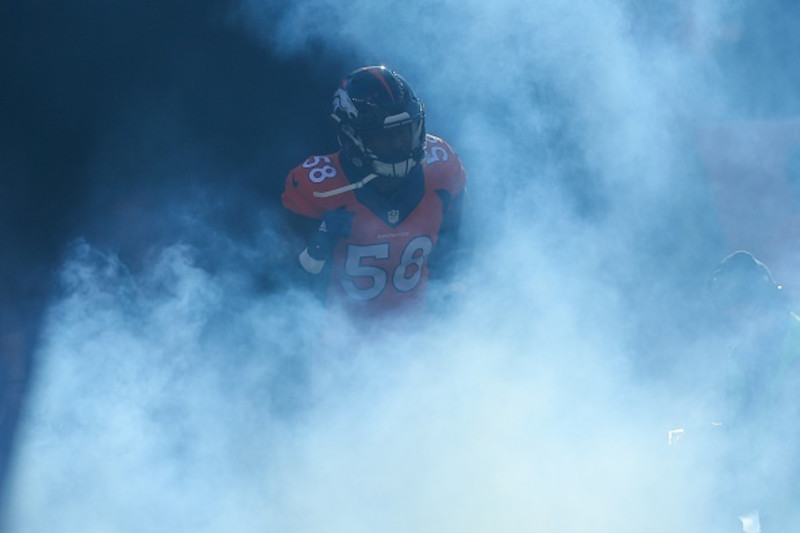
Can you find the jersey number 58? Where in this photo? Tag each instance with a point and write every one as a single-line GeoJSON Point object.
{"type": "Point", "coordinates": [404, 278]}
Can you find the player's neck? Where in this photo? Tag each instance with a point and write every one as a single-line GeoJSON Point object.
{"type": "Point", "coordinates": [387, 185]}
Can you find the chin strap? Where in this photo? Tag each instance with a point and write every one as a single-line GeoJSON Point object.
{"type": "Point", "coordinates": [350, 187]}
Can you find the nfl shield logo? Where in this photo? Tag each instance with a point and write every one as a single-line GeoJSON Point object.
{"type": "Point", "coordinates": [393, 216]}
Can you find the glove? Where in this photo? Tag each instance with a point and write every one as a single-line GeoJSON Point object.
{"type": "Point", "coordinates": [335, 225]}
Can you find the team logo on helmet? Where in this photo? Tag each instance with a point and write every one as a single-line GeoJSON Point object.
{"type": "Point", "coordinates": [341, 101]}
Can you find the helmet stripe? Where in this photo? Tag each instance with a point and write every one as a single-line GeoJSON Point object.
{"type": "Point", "coordinates": [380, 77]}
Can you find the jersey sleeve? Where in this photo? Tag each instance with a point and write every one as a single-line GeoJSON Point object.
{"type": "Point", "coordinates": [445, 166]}
{"type": "Point", "coordinates": [297, 198]}
{"type": "Point", "coordinates": [317, 173]}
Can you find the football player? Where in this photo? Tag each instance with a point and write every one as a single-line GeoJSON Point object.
{"type": "Point", "coordinates": [382, 214]}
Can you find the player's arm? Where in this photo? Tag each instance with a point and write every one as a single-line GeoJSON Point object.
{"type": "Point", "coordinates": [299, 229]}
{"type": "Point", "coordinates": [448, 259]}
{"type": "Point", "coordinates": [453, 242]}
{"type": "Point", "coordinates": [314, 242]}
{"type": "Point", "coordinates": [323, 237]}
{"type": "Point", "coordinates": [313, 239]}
{"type": "Point", "coordinates": [300, 221]}
{"type": "Point", "coordinates": [452, 247]}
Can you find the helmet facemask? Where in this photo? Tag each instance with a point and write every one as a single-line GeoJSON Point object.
{"type": "Point", "coordinates": [395, 149]}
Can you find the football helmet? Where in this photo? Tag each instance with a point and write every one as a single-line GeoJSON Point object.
{"type": "Point", "coordinates": [381, 122]}
{"type": "Point", "coordinates": [741, 279]}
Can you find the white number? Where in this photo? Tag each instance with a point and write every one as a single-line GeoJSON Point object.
{"type": "Point", "coordinates": [405, 278]}
{"type": "Point", "coordinates": [408, 273]}
{"type": "Point", "coordinates": [354, 268]}
{"type": "Point", "coordinates": [436, 153]}
{"type": "Point", "coordinates": [318, 175]}
{"type": "Point", "coordinates": [316, 160]}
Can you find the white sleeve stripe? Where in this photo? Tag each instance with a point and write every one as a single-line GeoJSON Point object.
{"type": "Point", "coordinates": [350, 187]}
{"type": "Point", "coordinates": [309, 264]}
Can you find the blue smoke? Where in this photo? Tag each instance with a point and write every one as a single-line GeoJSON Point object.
{"type": "Point", "coordinates": [542, 402]}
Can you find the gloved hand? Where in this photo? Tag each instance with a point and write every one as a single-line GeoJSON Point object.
{"type": "Point", "coordinates": [335, 225]}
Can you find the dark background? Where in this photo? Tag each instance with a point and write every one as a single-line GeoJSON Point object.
{"type": "Point", "coordinates": [116, 115]}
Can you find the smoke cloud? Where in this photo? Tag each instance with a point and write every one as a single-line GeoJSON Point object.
{"type": "Point", "coordinates": [196, 391]}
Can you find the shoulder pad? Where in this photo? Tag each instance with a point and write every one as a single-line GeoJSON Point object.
{"type": "Point", "coordinates": [318, 173]}
{"type": "Point", "coordinates": [443, 165]}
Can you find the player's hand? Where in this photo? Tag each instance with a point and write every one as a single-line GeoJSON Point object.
{"type": "Point", "coordinates": [335, 225]}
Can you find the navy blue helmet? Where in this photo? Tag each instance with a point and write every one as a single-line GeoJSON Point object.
{"type": "Point", "coordinates": [381, 122]}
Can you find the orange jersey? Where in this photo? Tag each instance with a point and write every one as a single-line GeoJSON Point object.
{"type": "Point", "coordinates": [383, 263]}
